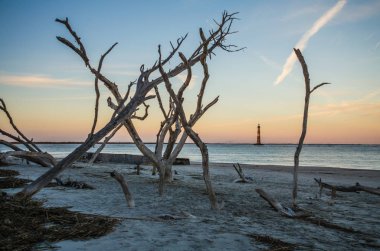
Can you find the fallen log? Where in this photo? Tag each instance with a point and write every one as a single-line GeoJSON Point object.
{"type": "Point", "coordinates": [275, 204]}
{"type": "Point", "coordinates": [352, 189]}
{"type": "Point", "coordinates": [128, 196]}
{"type": "Point", "coordinates": [43, 159]}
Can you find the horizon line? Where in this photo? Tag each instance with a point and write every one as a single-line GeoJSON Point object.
{"type": "Point", "coordinates": [212, 143]}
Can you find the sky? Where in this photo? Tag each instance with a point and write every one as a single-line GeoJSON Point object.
{"type": "Point", "coordinates": [51, 97]}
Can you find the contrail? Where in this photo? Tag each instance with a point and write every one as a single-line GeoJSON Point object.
{"type": "Point", "coordinates": [301, 44]}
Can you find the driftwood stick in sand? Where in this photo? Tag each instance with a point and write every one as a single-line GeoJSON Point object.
{"type": "Point", "coordinates": [128, 196]}
{"type": "Point", "coordinates": [239, 170]}
{"type": "Point", "coordinates": [275, 204]}
{"type": "Point", "coordinates": [308, 92]}
{"type": "Point", "coordinates": [356, 188]}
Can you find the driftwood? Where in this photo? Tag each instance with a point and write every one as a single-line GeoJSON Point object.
{"type": "Point", "coordinates": [28, 143]}
{"type": "Point", "coordinates": [243, 178]}
{"type": "Point", "coordinates": [301, 215]}
{"type": "Point", "coordinates": [308, 92]}
{"type": "Point", "coordinates": [353, 189]}
{"type": "Point", "coordinates": [101, 147]}
{"type": "Point", "coordinates": [275, 204]}
{"type": "Point", "coordinates": [33, 153]}
{"type": "Point", "coordinates": [43, 159]}
{"type": "Point", "coordinates": [128, 196]}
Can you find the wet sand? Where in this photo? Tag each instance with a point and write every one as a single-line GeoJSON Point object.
{"type": "Point", "coordinates": [188, 222]}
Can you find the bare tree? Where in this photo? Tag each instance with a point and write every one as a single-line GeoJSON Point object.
{"type": "Point", "coordinates": [308, 92]}
{"type": "Point", "coordinates": [189, 123]}
{"type": "Point", "coordinates": [126, 105]}
{"type": "Point", "coordinates": [33, 152]}
{"type": "Point", "coordinates": [163, 160]}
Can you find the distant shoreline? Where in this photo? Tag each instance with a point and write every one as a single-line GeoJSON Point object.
{"type": "Point", "coordinates": [268, 144]}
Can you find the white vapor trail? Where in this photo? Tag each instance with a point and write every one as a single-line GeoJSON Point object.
{"type": "Point", "coordinates": [302, 43]}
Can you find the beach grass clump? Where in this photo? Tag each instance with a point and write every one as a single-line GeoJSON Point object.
{"type": "Point", "coordinates": [26, 223]}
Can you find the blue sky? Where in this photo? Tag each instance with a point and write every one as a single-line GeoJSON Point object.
{"type": "Point", "coordinates": [50, 93]}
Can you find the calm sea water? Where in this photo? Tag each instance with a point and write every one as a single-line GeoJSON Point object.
{"type": "Point", "coordinates": [343, 156]}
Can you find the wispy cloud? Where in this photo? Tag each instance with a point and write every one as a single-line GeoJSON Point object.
{"type": "Point", "coordinates": [301, 12]}
{"type": "Point", "coordinates": [359, 11]}
{"type": "Point", "coordinates": [302, 43]}
{"type": "Point", "coordinates": [377, 45]}
{"type": "Point", "coordinates": [269, 62]}
{"type": "Point", "coordinates": [40, 81]}
{"type": "Point", "coordinates": [367, 105]}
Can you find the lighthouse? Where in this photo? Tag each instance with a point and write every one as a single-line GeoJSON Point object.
{"type": "Point", "coordinates": [258, 142]}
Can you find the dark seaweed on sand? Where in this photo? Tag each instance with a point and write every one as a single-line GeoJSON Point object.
{"type": "Point", "coordinates": [27, 223]}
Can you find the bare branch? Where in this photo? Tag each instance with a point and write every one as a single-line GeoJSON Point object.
{"type": "Point", "coordinates": [10, 145]}
{"type": "Point", "coordinates": [18, 139]}
{"type": "Point", "coordinates": [143, 116]}
{"type": "Point", "coordinates": [97, 89]}
{"type": "Point", "coordinates": [81, 51]}
{"type": "Point", "coordinates": [317, 86]}
{"type": "Point", "coordinates": [112, 104]}
{"type": "Point", "coordinates": [32, 147]}
{"type": "Point", "coordinates": [160, 102]}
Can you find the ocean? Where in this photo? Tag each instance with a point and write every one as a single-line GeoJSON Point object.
{"type": "Point", "coordinates": [341, 156]}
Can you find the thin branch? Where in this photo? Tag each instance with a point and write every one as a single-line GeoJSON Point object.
{"type": "Point", "coordinates": [10, 145]}
{"type": "Point", "coordinates": [81, 49]}
{"type": "Point", "coordinates": [97, 89]}
{"type": "Point", "coordinates": [33, 147]}
{"type": "Point", "coordinates": [143, 116]}
{"type": "Point", "coordinates": [317, 86]}
{"type": "Point", "coordinates": [18, 139]}
{"type": "Point", "coordinates": [160, 102]}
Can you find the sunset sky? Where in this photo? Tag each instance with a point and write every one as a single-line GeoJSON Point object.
{"type": "Point", "coordinates": [50, 93]}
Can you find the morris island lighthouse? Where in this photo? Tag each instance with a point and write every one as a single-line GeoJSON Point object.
{"type": "Point", "coordinates": [258, 142]}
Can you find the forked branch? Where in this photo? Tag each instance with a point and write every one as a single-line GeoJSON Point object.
{"type": "Point", "coordinates": [304, 122]}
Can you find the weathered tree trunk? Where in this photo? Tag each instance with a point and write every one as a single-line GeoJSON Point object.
{"type": "Point", "coordinates": [205, 166]}
{"type": "Point", "coordinates": [168, 173]}
{"type": "Point", "coordinates": [161, 181]}
{"type": "Point", "coordinates": [44, 179]}
{"type": "Point", "coordinates": [128, 196]}
{"type": "Point", "coordinates": [304, 123]}
{"type": "Point", "coordinates": [101, 147]}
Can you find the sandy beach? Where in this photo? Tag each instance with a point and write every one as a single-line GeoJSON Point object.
{"type": "Point", "coordinates": [182, 219]}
